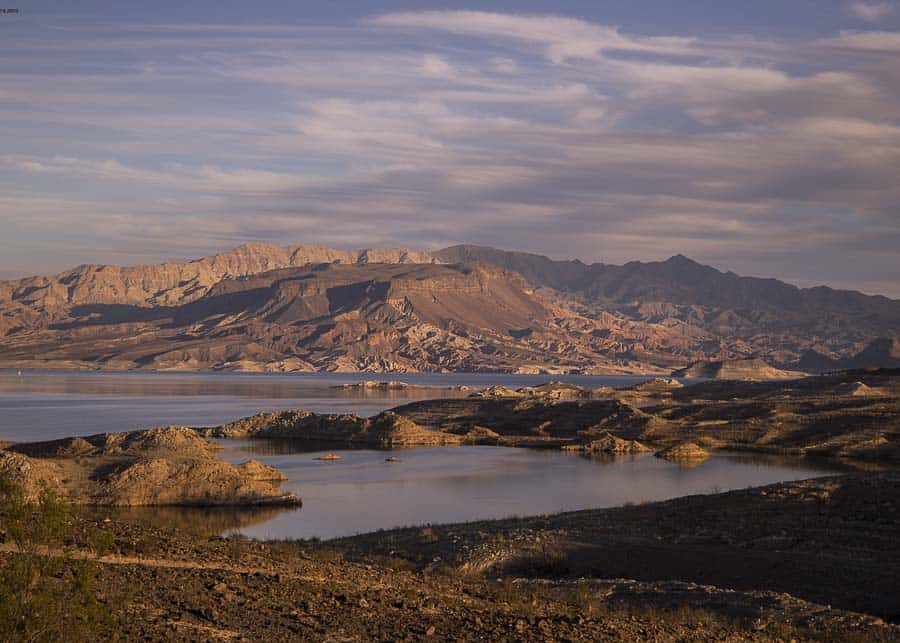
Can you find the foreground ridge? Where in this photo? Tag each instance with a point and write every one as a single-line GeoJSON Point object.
{"type": "Point", "coordinates": [634, 573]}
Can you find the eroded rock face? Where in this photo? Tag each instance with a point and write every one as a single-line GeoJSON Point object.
{"type": "Point", "coordinates": [736, 369]}
{"type": "Point", "coordinates": [658, 384]}
{"type": "Point", "coordinates": [389, 430]}
{"type": "Point", "coordinates": [165, 466]}
{"type": "Point", "coordinates": [607, 443]}
{"type": "Point", "coordinates": [201, 481]}
{"type": "Point", "coordinates": [385, 430]}
{"type": "Point", "coordinates": [684, 452]}
{"type": "Point", "coordinates": [164, 441]}
{"type": "Point", "coordinates": [29, 473]}
{"type": "Point", "coordinates": [261, 307]}
{"type": "Point", "coordinates": [256, 470]}
{"type": "Point", "coordinates": [547, 392]}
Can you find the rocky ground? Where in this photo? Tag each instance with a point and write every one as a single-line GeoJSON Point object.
{"type": "Point", "coordinates": [809, 560]}
{"type": "Point", "coordinates": [852, 415]}
{"type": "Point", "coordinates": [828, 540]}
{"type": "Point", "coordinates": [814, 560]}
{"type": "Point", "coordinates": [165, 466]}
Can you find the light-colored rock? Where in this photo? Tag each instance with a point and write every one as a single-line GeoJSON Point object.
{"type": "Point", "coordinates": [165, 466]}
{"type": "Point", "coordinates": [688, 452]}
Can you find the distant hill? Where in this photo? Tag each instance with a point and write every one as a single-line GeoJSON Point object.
{"type": "Point", "coordinates": [678, 280]}
{"type": "Point", "coordinates": [883, 352]}
{"type": "Point", "coordinates": [176, 283]}
{"type": "Point", "coordinates": [328, 316]}
{"type": "Point", "coordinates": [263, 307]}
{"type": "Point", "coordinates": [736, 369]}
{"type": "Point", "coordinates": [742, 315]}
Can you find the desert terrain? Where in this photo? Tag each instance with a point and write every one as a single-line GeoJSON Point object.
{"type": "Point", "coordinates": [306, 308]}
{"type": "Point", "coordinates": [806, 561]}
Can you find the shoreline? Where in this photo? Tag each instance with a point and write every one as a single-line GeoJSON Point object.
{"type": "Point", "coordinates": [703, 567]}
{"type": "Point", "coordinates": [796, 560]}
{"type": "Point", "coordinates": [59, 367]}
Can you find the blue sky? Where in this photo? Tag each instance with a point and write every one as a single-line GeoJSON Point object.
{"type": "Point", "coordinates": [758, 137]}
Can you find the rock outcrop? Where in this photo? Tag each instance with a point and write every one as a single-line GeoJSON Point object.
{"type": "Point", "coordinates": [386, 430]}
{"type": "Point", "coordinates": [736, 369]}
{"type": "Point", "coordinates": [192, 481]}
{"type": "Point", "coordinates": [857, 389]}
{"type": "Point", "coordinates": [166, 466]}
{"type": "Point", "coordinates": [684, 453]}
{"type": "Point", "coordinates": [851, 415]}
{"type": "Point", "coordinates": [608, 444]}
{"type": "Point", "coordinates": [882, 352]}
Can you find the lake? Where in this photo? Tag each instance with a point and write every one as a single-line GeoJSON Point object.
{"type": "Point", "coordinates": [44, 405]}
{"type": "Point", "coordinates": [362, 492]}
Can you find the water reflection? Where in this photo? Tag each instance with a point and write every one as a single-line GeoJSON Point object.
{"type": "Point", "coordinates": [199, 521]}
{"type": "Point", "coordinates": [272, 385]}
{"type": "Point", "coordinates": [42, 405]}
{"type": "Point", "coordinates": [363, 493]}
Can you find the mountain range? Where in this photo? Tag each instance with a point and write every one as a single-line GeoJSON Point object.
{"type": "Point", "coordinates": [464, 308]}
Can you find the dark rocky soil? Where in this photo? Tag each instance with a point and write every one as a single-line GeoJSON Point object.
{"type": "Point", "coordinates": [814, 560]}
{"type": "Point", "coordinates": [808, 560]}
{"type": "Point", "coordinates": [828, 540]}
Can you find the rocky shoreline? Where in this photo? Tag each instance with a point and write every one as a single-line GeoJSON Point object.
{"type": "Point", "coordinates": [165, 466]}
{"type": "Point", "coordinates": [806, 561]}
{"type": "Point", "coordinates": [853, 416]}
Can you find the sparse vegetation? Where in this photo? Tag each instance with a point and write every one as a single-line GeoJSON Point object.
{"type": "Point", "coordinates": [47, 592]}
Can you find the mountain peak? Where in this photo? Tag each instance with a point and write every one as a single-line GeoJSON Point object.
{"type": "Point", "coordinates": [682, 260]}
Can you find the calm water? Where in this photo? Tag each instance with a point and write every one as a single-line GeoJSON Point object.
{"type": "Point", "coordinates": [47, 405]}
{"type": "Point", "coordinates": [362, 492]}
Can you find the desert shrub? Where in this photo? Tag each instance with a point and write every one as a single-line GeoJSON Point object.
{"type": "Point", "coordinates": [428, 536]}
{"type": "Point", "coordinates": [395, 563]}
{"type": "Point", "coordinates": [585, 600]}
{"type": "Point", "coordinates": [46, 594]}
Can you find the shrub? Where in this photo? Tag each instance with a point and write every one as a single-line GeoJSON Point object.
{"type": "Point", "coordinates": [46, 594]}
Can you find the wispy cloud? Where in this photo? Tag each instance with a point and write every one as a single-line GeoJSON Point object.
{"type": "Point", "coordinates": [870, 11]}
{"type": "Point", "coordinates": [543, 132]}
{"type": "Point", "coordinates": [563, 38]}
{"type": "Point", "coordinates": [873, 41]}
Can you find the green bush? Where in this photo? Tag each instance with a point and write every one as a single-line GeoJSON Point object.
{"type": "Point", "coordinates": [46, 593]}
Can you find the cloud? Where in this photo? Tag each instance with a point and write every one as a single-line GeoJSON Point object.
{"type": "Point", "coordinates": [563, 38]}
{"type": "Point", "coordinates": [544, 133]}
{"type": "Point", "coordinates": [872, 41]}
{"type": "Point", "coordinates": [870, 11]}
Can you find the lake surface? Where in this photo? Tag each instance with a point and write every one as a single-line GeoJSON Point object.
{"type": "Point", "coordinates": [362, 492]}
{"type": "Point", "coordinates": [43, 405]}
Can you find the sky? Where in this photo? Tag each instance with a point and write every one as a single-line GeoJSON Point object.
{"type": "Point", "coordinates": [760, 137]}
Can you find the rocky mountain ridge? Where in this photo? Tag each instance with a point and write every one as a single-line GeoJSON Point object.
{"type": "Point", "coordinates": [728, 315]}
{"type": "Point", "coordinates": [176, 283]}
{"type": "Point", "coordinates": [466, 308]}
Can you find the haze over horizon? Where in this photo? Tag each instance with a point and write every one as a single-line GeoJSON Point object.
{"type": "Point", "coordinates": [761, 139]}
